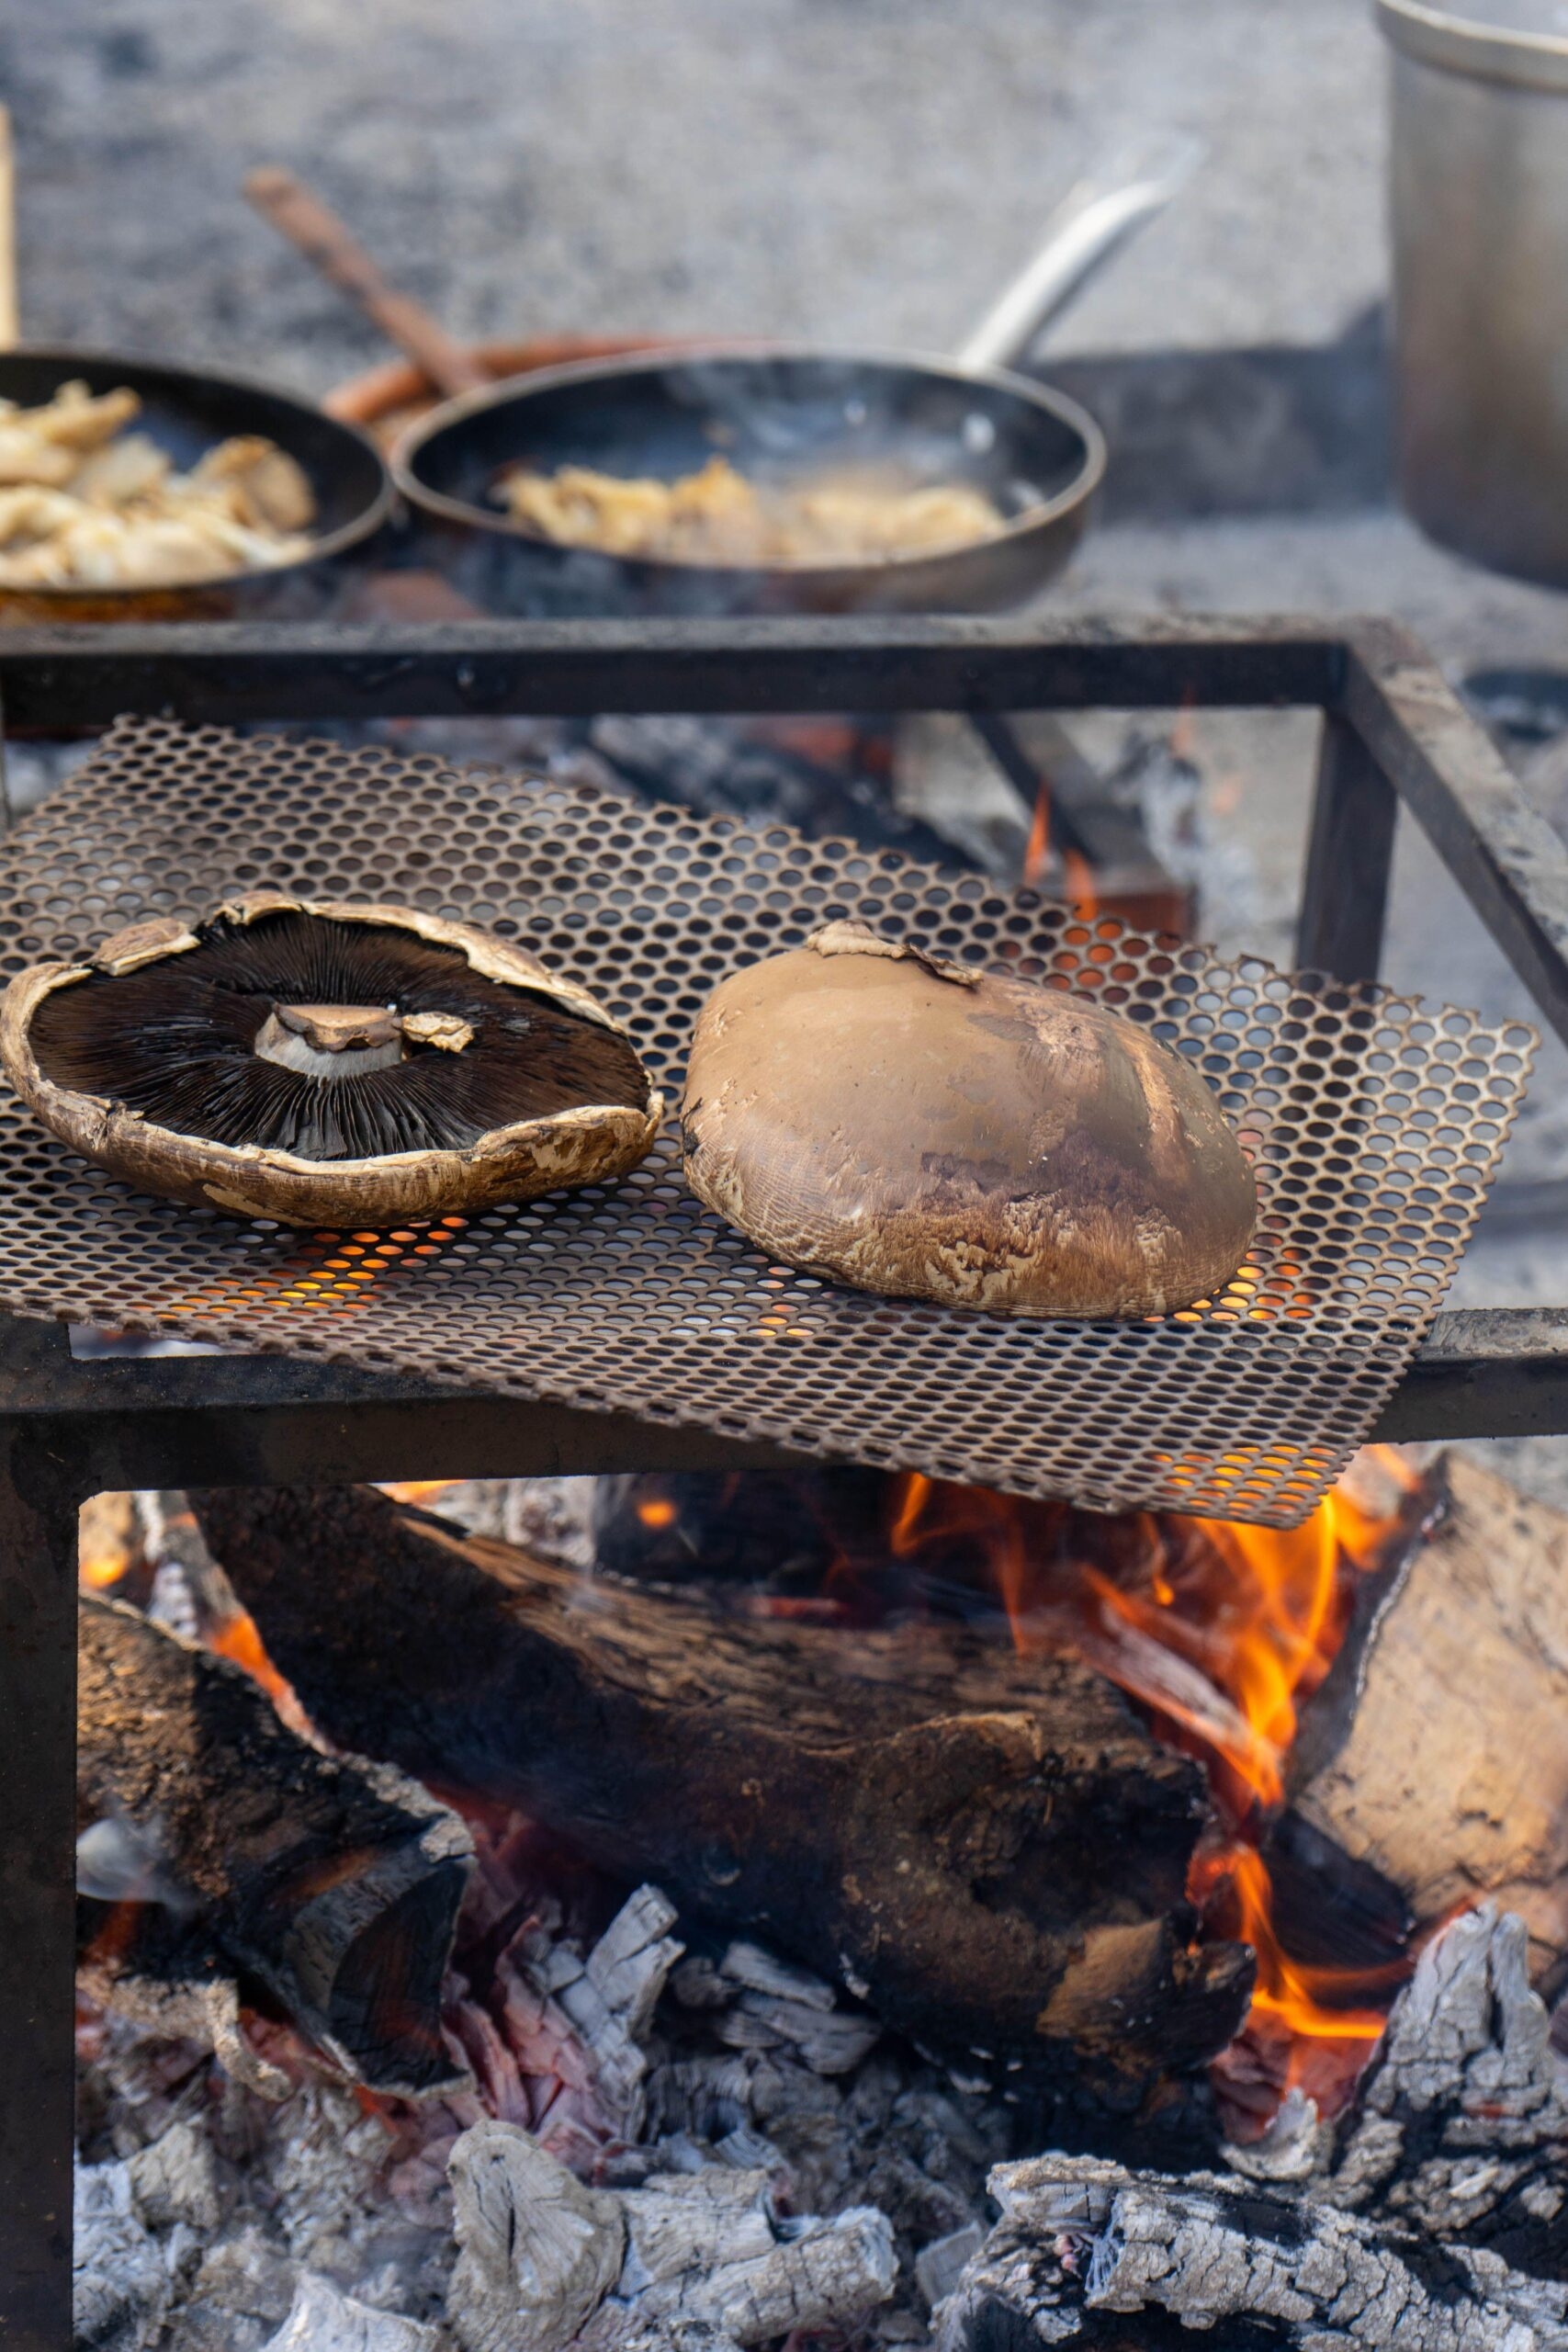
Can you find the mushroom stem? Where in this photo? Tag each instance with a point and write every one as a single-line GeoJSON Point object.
{"type": "Point", "coordinates": [332, 1040]}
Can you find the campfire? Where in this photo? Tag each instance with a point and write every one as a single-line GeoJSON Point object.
{"type": "Point", "coordinates": [823, 1906]}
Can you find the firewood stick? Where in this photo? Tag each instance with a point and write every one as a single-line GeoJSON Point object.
{"type": "Point", "coordinates": [333, 1883]}
{"type": "Point", "coordinates": [1437, 1749]}
{"type": "Point", "coordinates": [991, 1850]}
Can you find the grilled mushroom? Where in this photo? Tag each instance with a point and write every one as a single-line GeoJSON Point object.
{"type": "Point", "coordinates": [326, 1064]}
{"type": "Point", "coordinates": [864, 1109]}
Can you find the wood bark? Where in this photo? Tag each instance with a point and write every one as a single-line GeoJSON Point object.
{"type": "Point", "coordinates": [1440, 1752]}
{"type": "Point", "coordinates": [240, 1848]}
{"type": "Point", "coordinates": [1090, 2253]}
{"type": "Point", "coordinates": [991, 1851]}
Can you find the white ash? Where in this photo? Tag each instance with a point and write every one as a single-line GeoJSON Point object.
{"type": "Point", "coordinates": [124, 2276]}
{"type": "Point", "coordinates": [733, 2077]}
{"type": "Point", "coordinates": [1463, 2111]}
{"type": "Point", "coordinates": [1080, 2237]}
{"type": "Point", "coordinates": [552, 1518]}
{"type": "Point", "coordinates": [545, 2261]}
{"type": "Point", "coordinates": [322, 2319]}
{"type": "Point", "coordinates": [177, 2180]}
{"type": "Point", "coordinates": [1369, 2232]}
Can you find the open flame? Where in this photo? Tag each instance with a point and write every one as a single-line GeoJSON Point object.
{"type": "Point", "coordinates": [1222, 1630]}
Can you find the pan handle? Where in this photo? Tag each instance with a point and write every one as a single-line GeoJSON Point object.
{"type": "Point", "coordinates": [299, 214]}
{"type": "Point", "coordinates": [1093, 220]}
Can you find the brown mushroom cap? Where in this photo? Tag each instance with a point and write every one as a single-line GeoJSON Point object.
{"type": "Point", "coordinates": [327, 1064]}
{"type": "Point", "coordinates": [909, 1125]}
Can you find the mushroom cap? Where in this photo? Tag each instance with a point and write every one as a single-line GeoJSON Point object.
{"type": "Point", "coordinates": [154, 1056]}
{"type": "Point", "coordinates": [867, 1111]}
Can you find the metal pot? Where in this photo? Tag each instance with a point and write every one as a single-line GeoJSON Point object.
{"type": "Point", "coordinates": [1480, 217]}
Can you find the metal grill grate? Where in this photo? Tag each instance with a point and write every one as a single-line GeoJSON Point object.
{"type": "Point", "coordinates": [1375, 1129]}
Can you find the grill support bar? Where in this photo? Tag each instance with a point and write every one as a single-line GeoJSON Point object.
{"type": "Point", "coordinates": [38, 1894]}
{"type": "Point", "coordinates": [1394, 733]}
{"type": "Point", "coordinates": [1349, 859]}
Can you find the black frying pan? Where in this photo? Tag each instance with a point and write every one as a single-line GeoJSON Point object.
{"type": "Point", "coordinates": [775, 414]}
{"type": "Point", "coordinates": [186, 413]}
{"type": "Point", "coordinates": [782, 413]}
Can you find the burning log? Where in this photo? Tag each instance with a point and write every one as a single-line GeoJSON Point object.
{"type": "Point", "coordinates": [544, 2259]}
{"type": "Point", "coordinates": [242, 1848]}
{"type": "Point", "coordinates": [1437, 1749]}
{"type": "Point", "coordinates": [991, 1851]}
{"type": "Point", "coordinates": [1084, 2245]}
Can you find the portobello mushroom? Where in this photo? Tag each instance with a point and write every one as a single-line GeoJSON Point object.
{"type": "Point", "coordinates": [326, 1064]}
{"type": "Point", "coordinates": [864, 1110]}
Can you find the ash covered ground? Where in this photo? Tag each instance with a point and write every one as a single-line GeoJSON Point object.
{"type": "Point", "coordinates": [868, 169]}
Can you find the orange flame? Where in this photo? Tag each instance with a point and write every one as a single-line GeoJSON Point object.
{"type": "Point", "coordinates": [1223, 1631]}
{"type": "Point", "coordinates": [658, 1512]}
{"type": "Point", "coordinates": [1079, 881]}
{"type": "Point", "coordinates": [1037, 852]}
{"type": "Point", "coordinates": [239, 1640]}
{"type": "Point", "coordinates": [1301, 1999]}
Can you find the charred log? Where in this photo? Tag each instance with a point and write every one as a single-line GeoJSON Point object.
{"type": "Point", "coordinates": [1090, 2253]}
{"type": "Point", "coordinates": [992, 1852]}
{"type": "Point", "coordinates": [216, 1842]}
{"type": "Point", "coordinates": [1460, 2126]}
{"type": "Point", "coordinates": [1437, 1751]}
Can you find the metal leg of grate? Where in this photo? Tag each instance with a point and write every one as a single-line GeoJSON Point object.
{"type": "Point", "coordinates": [1349, 860]}
{"type": "Point", "coordinates": [38, 1894]}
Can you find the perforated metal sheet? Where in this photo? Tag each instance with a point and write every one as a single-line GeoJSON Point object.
{"type": "Point", "coordinates": [1375, 1130]}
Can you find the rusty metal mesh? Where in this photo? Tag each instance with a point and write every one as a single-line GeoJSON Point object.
{"type": "Point", "coordinates": [1375, 1129]}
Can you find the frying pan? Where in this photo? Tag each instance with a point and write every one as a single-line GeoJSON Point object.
{"type": "Point", "coordinates": [185, 411]}
{"type": "Point", "coordinates": [782, 411]}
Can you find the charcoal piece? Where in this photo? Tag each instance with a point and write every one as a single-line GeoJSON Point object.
{"type": "Point", "coordinates": [1090, 2253]}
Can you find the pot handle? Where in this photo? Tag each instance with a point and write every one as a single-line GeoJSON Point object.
{"type": "Point", "coordinates": [1094, 220]}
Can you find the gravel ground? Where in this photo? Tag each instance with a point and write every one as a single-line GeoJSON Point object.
{"type": "Point", "coordinates": [867, 169]}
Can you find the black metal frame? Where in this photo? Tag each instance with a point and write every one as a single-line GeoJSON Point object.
{"type": "Point", "coordinates": [1393, 734]}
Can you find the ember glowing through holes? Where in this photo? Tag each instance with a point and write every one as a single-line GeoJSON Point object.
{"type": "Point", "coordinates": [1077, 874]}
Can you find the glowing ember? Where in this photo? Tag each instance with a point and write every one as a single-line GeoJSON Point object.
{"type": "Point", "coordinates": [102, 1571]}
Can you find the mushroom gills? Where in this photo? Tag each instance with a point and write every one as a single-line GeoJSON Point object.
{"type": "Point", "coordinates": [328, 1041]}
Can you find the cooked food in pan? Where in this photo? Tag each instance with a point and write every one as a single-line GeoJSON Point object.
{"type": "Point", "coordinates": [85, 504]}
{"type": "Point", "coordinates": [719, 517]}
{"type": "Point", "coordinates": [862, 1109]}
{"type": "Point", "coordinates": [322, 1062]}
